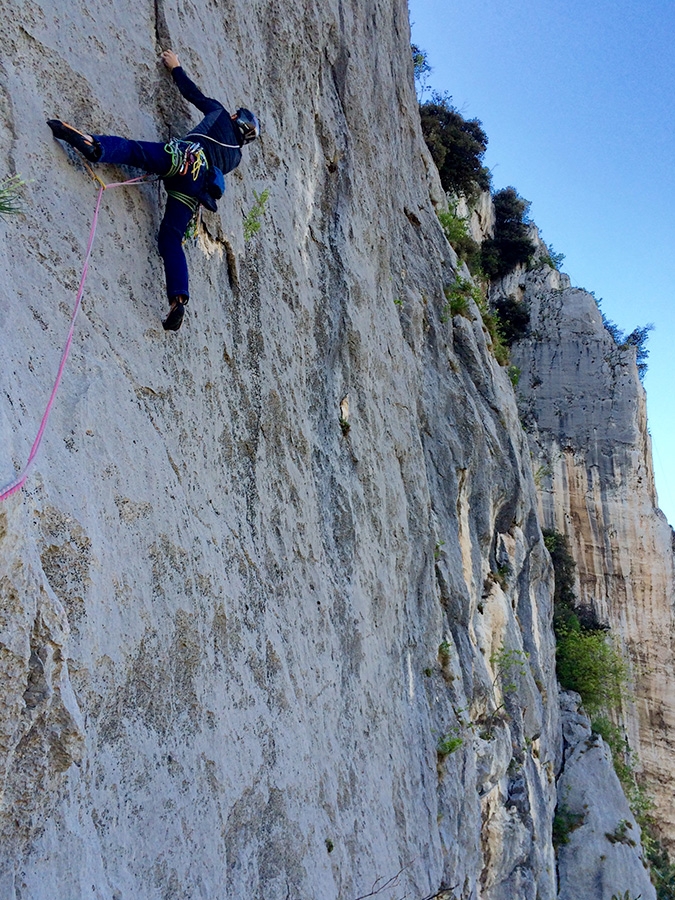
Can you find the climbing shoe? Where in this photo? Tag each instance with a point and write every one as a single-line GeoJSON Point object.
{"type": "Point", "coordinates": [90, 148]}
{"type": "Point", "coordinates": [175, 318]}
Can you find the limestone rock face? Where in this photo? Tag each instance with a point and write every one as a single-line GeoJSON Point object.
{"type": "Point", "coordinates": [276, 606]}
{"type": "Point", "coordinates": [600, 854]}
{"type": "Point", "coordinates": [584, 406]}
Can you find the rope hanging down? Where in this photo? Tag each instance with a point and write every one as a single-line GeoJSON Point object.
{"type": "Point", "coordinates": [20, 480]}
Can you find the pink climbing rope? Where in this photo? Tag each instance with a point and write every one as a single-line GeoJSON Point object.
{"type": "Point", "coordinates": [20, 480]}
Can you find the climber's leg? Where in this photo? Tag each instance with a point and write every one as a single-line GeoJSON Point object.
{"type": "Point", "coordinates": [85, 143]}
{"type": "Point", "coordinates": [170, 241]}
{"type": "Point", "coordinates": [151, 156]}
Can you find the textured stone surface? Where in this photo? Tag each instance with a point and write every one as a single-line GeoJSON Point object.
{"type": "Point", "coordinates": [222, 613]}
{"type": "Point", "coordinates": [602, 855]}
{"type": "Point", "coordinates": [585, 408]}
{"type": "Point", "coordinates": [236, 630]}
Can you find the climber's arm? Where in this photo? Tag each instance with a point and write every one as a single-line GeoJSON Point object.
{"type": "Point", "coordinates": [186, 86]}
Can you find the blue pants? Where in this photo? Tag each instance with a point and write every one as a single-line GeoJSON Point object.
{"type": "Point", "coordinates": [154, 158]}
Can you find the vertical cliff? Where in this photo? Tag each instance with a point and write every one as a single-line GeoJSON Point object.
{"type": "Point", "coordinates": [276, 607]}
{"type": "Point", "coordinates": [238, 631]}
{"type": "Point", "coordinates": [584, 408]}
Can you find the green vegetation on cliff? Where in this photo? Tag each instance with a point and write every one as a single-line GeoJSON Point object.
{"type": "Point", "coordinates": [590, 663]}
{"type": "Point", "coordinates": [511, 245]}
{"type": "Point", "coordinates": [10, 195]}
{"type": "Point", "coordinates": [457, 146]}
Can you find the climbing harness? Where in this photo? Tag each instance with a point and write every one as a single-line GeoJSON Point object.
{"type": "Point", "coordinates": [21, 478]}
{"type": "Point", "coordinates": [185, 157]}
{"type": "Point", "coordinates": [188, 158]}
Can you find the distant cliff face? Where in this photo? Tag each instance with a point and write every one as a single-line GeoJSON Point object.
{"type": "Point", "coordinates": [276, 608]}
{"type": "Point", "coordinates": [585, 410]}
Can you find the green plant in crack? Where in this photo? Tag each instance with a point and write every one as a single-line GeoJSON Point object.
{"type": "Point", "coordinates": [252, 223]}
{"type": "Point", "coordinates": [493, 327]}
{"type": "Point", "coordinates": [444, 652]}
{"type": "Point", "coordinates": [542, 472]}
{"type": "Point", "coordinates": [10, 195]}
{"type": "Point", "coordinates": [501, 575]}
{"type": "Point", "coordinates": [456, 231]}
{"type": "Point", "coordinates": [564, 823]}
{"type": "Point", "coordinates": [508, 665]}
{"type": "Point", "coordinates": [620, 834]}
{"type": "Point", "coordinates": [448, 744]}
{"type": "Point", "coordinates": [458, 294]}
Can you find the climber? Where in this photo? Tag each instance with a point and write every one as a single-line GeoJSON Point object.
{"type": "Point", "coordinates": [192, 169]}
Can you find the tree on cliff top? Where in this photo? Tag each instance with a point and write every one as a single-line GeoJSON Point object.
{"type": "Point", "coordinates": [457, 146]}
{"type": "Point", "coordinates": [637, 338]}
{"type": "Point", "coordinates": [511, 245]}
{"type": "Point", "coordinates": [421, 68]}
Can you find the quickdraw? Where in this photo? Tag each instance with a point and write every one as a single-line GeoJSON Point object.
{"type": "Point", "coordinates": [185, 157]}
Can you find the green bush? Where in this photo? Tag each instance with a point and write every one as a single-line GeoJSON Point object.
{"type": "Point", "coordinates": [589, 663]}
{"type": "Point", "coordinates": [511, 245]}
{"type": "Point", "coordinates": [457, 146]}
{"type": "Point", "coordinates": [514, 375]}
{"type": "Point", "coordinates": [587, 660]}
{"type": "Point", "coordinates": [514, 319]}
{"type": "Point", "coordinates": [493, 326]}
{"type": "Point", "coordinates": [553, 259]}
{"type": "Point", "coordinates": [252, 223]}
{"type": "Point", "coordinates": [421, 68]}
{"type": "Point", "coordinates": [564, 823]}
{"type": "Point", "coordinates": [637, 338]}
{"type": "Point", "coordinates": [509, 667]}
{"type": "Point", "coordinates": [563, 567]}
{"type": "Point", "coordinates": [457, 234]}
{"type": "Point", "coordinates": [448, 745]}
{"type": "Point", "coordinates": [10, 195]}
{"type": "Point", "coordinates": [662, 870]}
{"type": "Point", "coordinates": [458, 295]}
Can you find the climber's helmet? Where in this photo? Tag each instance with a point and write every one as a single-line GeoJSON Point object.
{"type": "Point", "coordinates": [247, 125]}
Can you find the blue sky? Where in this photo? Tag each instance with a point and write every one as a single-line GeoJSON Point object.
{"type": "Point", "coordinates": [577, 101]}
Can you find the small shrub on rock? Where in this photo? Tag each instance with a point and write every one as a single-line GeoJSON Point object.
{"type": "Point", "coordinates": [564, 823]}
{"type": "Point", "coordinates": [10, 195]}
{"type": "Point", "coordinates": [457, 234]}
{"type": "Point", "coordinates": [514, 319]}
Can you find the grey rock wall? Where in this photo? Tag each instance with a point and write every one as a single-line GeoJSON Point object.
{"type": "Point", "coordinates": [585, 411]}
{"type": "Point", "coordinates": [600, 852]}
{"type": "Point", "coordinates": [248, 649]}
{"type": "Point", "coordinates": [222, 609]}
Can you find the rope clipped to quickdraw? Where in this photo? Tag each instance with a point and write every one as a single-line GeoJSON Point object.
{"type": "Point", "coordinates": [22, 477]}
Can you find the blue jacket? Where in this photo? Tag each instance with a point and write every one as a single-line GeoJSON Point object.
{"type": "Point", "coordinates": [216, 132]}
